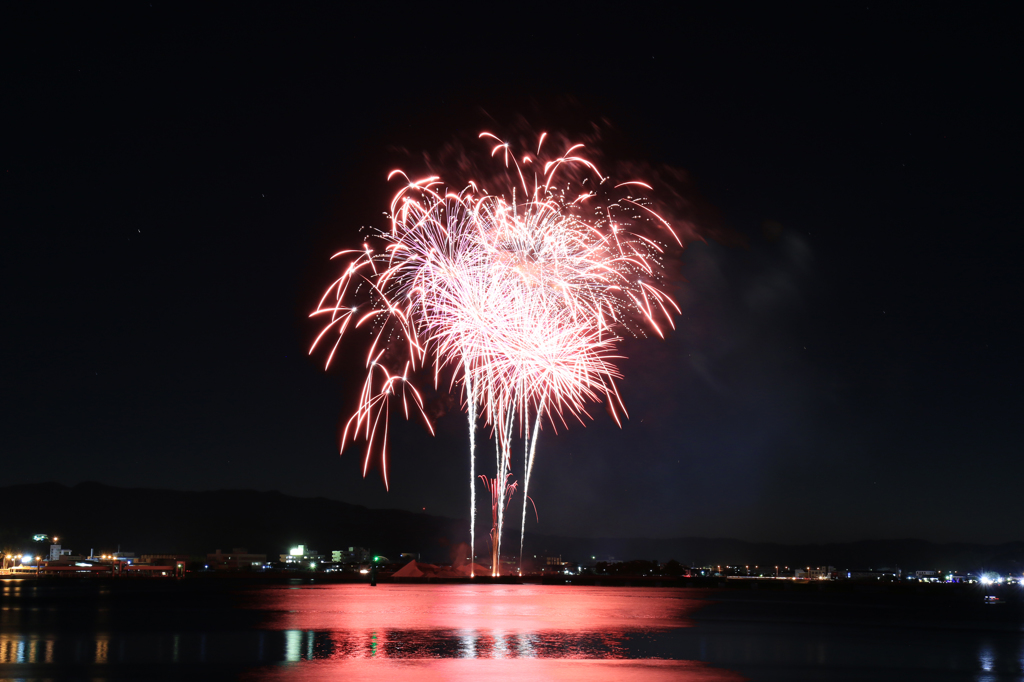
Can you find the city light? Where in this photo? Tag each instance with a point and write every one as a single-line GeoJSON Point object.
{"type": "Point", "coordinates": [990, 578]}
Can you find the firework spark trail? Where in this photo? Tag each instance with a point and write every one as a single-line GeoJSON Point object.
{"type": "Point", "coordinates": [471, 411]}
{"type": "Point", "coordinates": [522, 300]}
{"type": "Point", "coordinates": [531, 449]}
{"type": "Point", "coordinates": [501, 497]}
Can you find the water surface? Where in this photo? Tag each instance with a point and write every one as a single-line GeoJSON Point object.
{"type": "Point", "coordinates": [230, 629]}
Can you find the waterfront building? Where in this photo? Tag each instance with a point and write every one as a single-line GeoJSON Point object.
{"type": "Point", "coordinates": [238, 559]}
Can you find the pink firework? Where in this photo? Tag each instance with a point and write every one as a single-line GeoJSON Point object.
{"type": "Point", "coordinates": [518, 298]}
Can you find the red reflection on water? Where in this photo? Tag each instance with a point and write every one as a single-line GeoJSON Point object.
{"type": "Point", "coordinates": [474, 632]}
{"type": "Point", "coordinates": [505, 608]}
{"type": "Point", "coordinates": [462, 670]}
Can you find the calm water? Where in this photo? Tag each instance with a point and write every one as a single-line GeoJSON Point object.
{"type": "Point", "coordinates": [63, 630]}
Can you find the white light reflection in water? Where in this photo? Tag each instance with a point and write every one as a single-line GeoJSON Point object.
{"type": "Point", "coordinates": [986, 658]}
{"type": "Point", "coordinates": [526, 645]}
{"type": "Point", "coordinates": [467, 643]}
{"type": "Point", "coordinates": [499, 648]}
{"type": "Point", "coordinates": [293, 645]}
{"type": "Point", "coordinates": [295, 641]}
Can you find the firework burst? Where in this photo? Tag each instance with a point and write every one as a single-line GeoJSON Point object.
{"type": "Point", "coordinates": [517, 300]}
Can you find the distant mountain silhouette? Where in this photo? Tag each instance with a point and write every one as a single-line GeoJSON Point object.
{"type": "Point", "coordinates": [93, 515]}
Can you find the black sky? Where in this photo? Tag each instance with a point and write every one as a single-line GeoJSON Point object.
{"type": "Point", "coordinates": [174, 181]}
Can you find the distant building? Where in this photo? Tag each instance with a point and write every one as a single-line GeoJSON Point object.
{"type": "Point", "coordinates": [163, 559]}
{"type": "Point", "coordinates": [551, 564]}
{"type": "Point", "coordinates": [353, 555]}
{"type": "Point", "coordinates": [56, 553]}
{"type": "Point", "coordinates": [301, 555]}
{"type": "Point", "coordinates": [814, 573]}
{"type": "Point", "coordinates": [960, 578]}
{"type": "Point", "coordinates": [238, 559]}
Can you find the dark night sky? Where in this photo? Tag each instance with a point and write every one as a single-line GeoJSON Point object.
{"type": "Point", "coordinates": [173, 184]}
